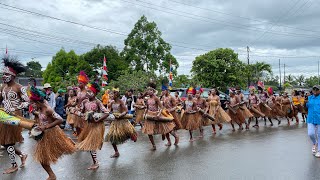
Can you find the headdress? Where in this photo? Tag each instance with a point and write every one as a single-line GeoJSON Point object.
{"type": "Point", "coordinates": [270, 90]}
{"type": "Point", "coordinates": [238, 88]}
{"type": "Point", "coordinates": [152, 85]}
{"type": "Point", "coordinates": [260, 84]}
{"type": "Point", "coordinates": [36, 94]}
{"type": "Point", "coordinates": [191, 90]}
{"type": "Point", "coordinates": [199, 89]}
{"type": "Point", "coordinates": [94, 87]}
{"type": "Point", "coordinates": [12, 66]}
{"type": "Point", "coordinates": [232, 90]}
{"type": "Point", "coordinates": [83, 77]}
{"type": "Point", "coordinates": [252, 88]}
{"type": "Point", "coordinates": [116, 89]}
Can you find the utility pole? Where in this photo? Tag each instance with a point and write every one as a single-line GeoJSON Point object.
{"type": "Point", "coordinates": [284, 74]}
{"type": "Point", "coordinates": [248, 58]}
{"type": "Point", "coordinates": [280, 74]}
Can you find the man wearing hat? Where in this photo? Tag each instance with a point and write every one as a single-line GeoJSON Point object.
{"type": "Point", "coordinates": [50, 97]}
{"type": "Point", "coordinates": [313, 119]}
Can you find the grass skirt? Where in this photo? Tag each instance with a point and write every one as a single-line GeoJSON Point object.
{"type": "Point", "coordinates": [256, 112]}
{"type": "Point", "coordinates": [289, 112]}
{"type": "Point", "coordinates": [265, 110]}
{"type": "Point", "coordinates": [52, 146]}
{"type": "Point", "coordinates": [279, 110]}
{"type": "Point", "coordinates": [176, 120]}
{"type": "Point", "coordinates": [190, 121]}
{"type": "Point", "coordinates": [236, 117]}
{"type": "Point", "coordinates": [79, 122]}
{"type": "Point", "coordinates": [91, 138]}
{"type": "Point", "coordinates": [153, 127]}
{"type": "Point", "coordinates": [221, 116]}
{"type": "Point", "coordinates": [70, 118]}
{"type": "Point", "coordinates": [245, 111]}
{"type": "Point", "coordinates": [10, 134]}
{"type": "Point", "coordinates": [139, 115]}
{"type": "Point", "coordinates": [120, 131]}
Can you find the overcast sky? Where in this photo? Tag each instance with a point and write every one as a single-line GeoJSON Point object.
{"type": "Point", "coordinates": [273, 29]}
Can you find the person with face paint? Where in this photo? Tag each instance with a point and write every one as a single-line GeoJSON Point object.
{"type": "Point", "coordinates": [189, 121]}
{"type": "Point", "coordinates": [170, 104]}
{"type": "Point", "coordinates": [254, 106]}
{"type": "Point", "coordinates": [120, 129]}
{"type": "Point", "coordinates": [14, 98]}
{"type": "Point", "coordinates": [83, 80]}
{"type": "Point", "coordinates": [72, 103]}
{"type": "Point", "coordinates": [243, 105]}
{"type": "Point", "coordinates": [235, 112]}
{"type": "Point", "coordinates": [54, 143]}
{"type": "Point", "coordinates": [91, 138]}
{"type": "Point", "coordinates": [201, 104]}
{"type": "Point", "coordinates": [154, 109]}
{"type": "Point", "coordinates": [140, 108]}
{"type": "Point", "coordinates": [214, 109]}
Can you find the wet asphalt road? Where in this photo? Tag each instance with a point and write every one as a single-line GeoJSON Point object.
{"type": "Point", "coordinates": [266, 153]}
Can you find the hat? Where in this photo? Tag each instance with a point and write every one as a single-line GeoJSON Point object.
{"type": "Point", "coordinates": [46, 85]}
{"type": "Point", "coordinates": [61, 91]}
{"type": "Point", "coordinates": [316, 86]}
{"type": "Point", "coordinates": [199, 89]}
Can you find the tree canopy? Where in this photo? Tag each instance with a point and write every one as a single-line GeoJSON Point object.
{"type": "Point", "coordinates": [219, 68]}
{"type": "Point", "coordinates": [33, 69]}
{"type": "Point", "coordinates": [145, 49]}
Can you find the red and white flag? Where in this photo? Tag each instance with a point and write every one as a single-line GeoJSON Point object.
{"type": "Point", "coordinates": [104, 72]}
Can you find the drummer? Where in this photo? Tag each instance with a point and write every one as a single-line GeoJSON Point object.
{"type": "Point", "coordinates": [154, 109]}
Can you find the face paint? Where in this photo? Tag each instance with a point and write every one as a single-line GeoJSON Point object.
{"type": "Point", "coordinates": [6, 78]}
{"type": "Point", "coordinates": [90, 94]}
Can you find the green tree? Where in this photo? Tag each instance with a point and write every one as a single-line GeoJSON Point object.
{"type": "Point", "coordinates": [33, 69]}
{"type": "Point", "coordinates": [181, 81]}
{"type": "Point", "coordinates": [219, 68]}
{"type": "Point", "coordinates": [115, 63]}
{"type": "Point", "coordinates": [290, 79]}
{"type": "Point", "coordinates": [258, 71]}
{"type": "Point", "coordinates": [63, 69]}
{"type": "Point", "coordinates": [136, 80]}
{"type": "Point", "coordinates": [300, 80]}
{"type": "Point", "coordinates": [146, 50]}
{"type": "Point", "coordinates": [311, 81]}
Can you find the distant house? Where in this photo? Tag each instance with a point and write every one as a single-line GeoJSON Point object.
{"type": "Point", "coordinates": [24, 81]}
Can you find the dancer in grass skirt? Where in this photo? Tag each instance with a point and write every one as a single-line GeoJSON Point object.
{"type": "Point", "coordinates": [54, 143]}
{"type": "Point", "coordinates": [120, 129]}
{"type": "Point", "coordinates": [92, 136]}
{"type": "Point", "coordinates": [140, 109]}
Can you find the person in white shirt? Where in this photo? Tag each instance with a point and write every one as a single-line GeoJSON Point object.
{"type": "Point", "coordinates": [50, 96]}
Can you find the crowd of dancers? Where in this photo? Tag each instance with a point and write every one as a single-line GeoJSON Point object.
{"type": "Point", "coordinates": [165, 115]}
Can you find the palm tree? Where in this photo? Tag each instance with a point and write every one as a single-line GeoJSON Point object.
{"type": "Point", "coordinates": [259, 69]}
{"type": "Point", "coordinates": [300, 80]}
{"type": "Point", "coordinates": [289, 79]}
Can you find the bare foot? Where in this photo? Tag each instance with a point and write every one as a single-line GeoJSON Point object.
{"type": "Point", "coordinates": [220, 127]}
{"type": "Point", "coordinates": [214, 132]}
{"type": "Point", "coordinates": [23, 160]}
{"type": "Point", "coordinates": [168, 144]}
{"type": "Point", "coordinates": [233, 130]}
{"type": "Point", "coordinates": [256, 126]}
{"type": "Point", "coordinates": [153, 148]}
{"type": "Point", "coordinates": [11, 170]}
{"type": "Point", "coordinates": [176, 140]}
{"type": "Point", "coordinates": [271, 124]}
{"type": "Point", "coordinates": [116, 155]}
{"type": "Point", "coordinates": [53, 177]}
{"type": "Point", "coordinates": [191, 140]}
{"type": "Point", "coordinates": [93, 166]}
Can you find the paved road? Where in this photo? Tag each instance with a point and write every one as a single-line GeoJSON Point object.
{"type": "Point", "coordinates": [266, 153]}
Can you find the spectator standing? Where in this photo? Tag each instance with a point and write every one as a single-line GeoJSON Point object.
{"type": "Point", "coordinates": [130, 102]}
{"type": "Point", "coordinates": [313, 119]}
{"type": "Point", "coordinates": [105, 98]}
{"type": "Point", "coordinates": [50, 97]}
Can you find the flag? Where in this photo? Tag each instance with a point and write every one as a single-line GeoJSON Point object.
{"type": "Point", "coordinates": [170, 76]}
{"type": "Point", "coordinates": [104, 72]}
